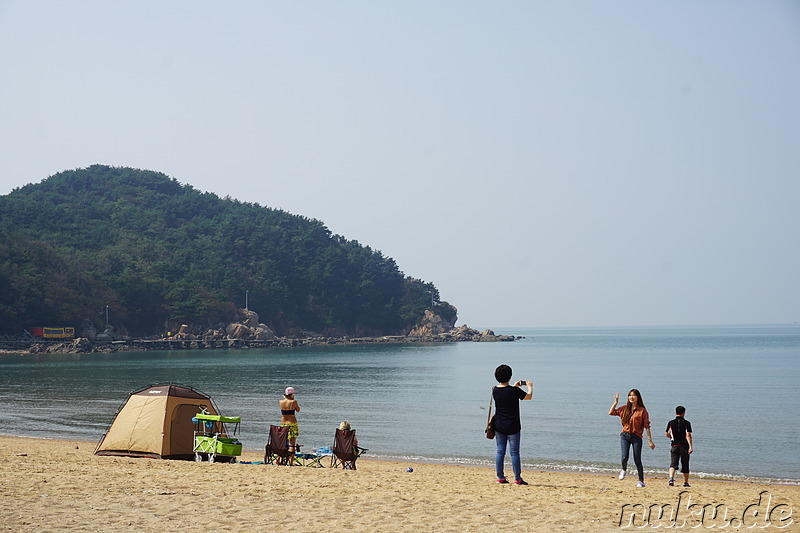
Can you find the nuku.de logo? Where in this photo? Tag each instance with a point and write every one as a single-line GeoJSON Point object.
{"type": "Point", "coordinates": [685, 514]}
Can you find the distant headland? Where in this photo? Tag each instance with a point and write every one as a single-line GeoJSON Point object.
{"type": "Point", "coordinates": [135, 248]}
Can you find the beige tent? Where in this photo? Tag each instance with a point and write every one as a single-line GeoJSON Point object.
{"type": "Point", "coordinates": [156, 422]}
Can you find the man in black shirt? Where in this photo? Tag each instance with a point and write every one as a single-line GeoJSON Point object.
{"type": "Point", "coordinates": [680, 431]}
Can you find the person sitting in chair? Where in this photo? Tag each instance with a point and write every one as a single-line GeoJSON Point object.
{"type": "Point", "coordinates": [345, 426]}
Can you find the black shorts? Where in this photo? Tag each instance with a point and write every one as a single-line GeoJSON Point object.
{"type": "Point", "coordinates": [680, 452]}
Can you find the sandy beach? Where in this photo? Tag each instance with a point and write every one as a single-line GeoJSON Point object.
{"type": "Point", "coordinates": [54, 485]}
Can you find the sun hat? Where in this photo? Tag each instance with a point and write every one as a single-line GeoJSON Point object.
{"type": "Point", "coordinates": [289, 391]}
{"type": "Point", "coordinates": [345, 425]}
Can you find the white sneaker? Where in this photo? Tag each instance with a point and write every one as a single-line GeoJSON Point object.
{"type": "Point", "coordinates": [622, 474]}
{"type": "Point", "coordinates": [640, 484]}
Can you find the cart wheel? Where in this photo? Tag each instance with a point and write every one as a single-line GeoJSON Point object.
{"type": "Point", "coordinates": [198, 457]}
{"type": "Point", "coordinates": [211, 458]}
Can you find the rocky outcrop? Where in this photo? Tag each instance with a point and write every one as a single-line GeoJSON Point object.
{"type": "Point", "coordinates": [246, 327]}
{"type": "Point", "coordinates": [249, 318]}
{"type": "Point", "coordinates": [248, 332]}
{"type": "Point", "coordinates": [262, 332]}
{"type": "Point", "coordinates": [83, 345]}
{"type": "Point", "coordinates": [465, 333]}
{"type": "Point", "coordinates": [432, 324]}
{"type": "Point", "coordinates": [489, 336]}
{"type": "Point", "coordinates": [237, 331]}
{"type": "Point", "coordinates": [459, 334]}
{"type": "Point", "coordinates": [79, 345]}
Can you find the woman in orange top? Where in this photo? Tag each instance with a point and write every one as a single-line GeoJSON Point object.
{"type": "Point", "coordinates": [634, 419]}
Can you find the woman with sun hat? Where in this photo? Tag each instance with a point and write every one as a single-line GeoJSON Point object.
{"type": "Point", "coordinates": [289, 407]}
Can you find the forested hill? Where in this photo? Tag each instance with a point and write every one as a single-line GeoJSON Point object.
{"type": "Point", "coordinates": [159, 253]}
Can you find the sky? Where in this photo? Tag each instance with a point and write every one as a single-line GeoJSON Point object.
{"type": "Point", "coordinates": [553, 163]}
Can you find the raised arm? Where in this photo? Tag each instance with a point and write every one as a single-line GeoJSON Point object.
{"type": "Point", "coordinates": [614, 405]}
{"type": "Point", "coordinates": [528, 384]}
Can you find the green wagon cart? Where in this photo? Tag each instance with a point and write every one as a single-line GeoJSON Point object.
{"type": "Point", "coordinates": [211, 439]}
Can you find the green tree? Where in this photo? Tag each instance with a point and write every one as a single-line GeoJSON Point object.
{"type": "Point", "coordinates": [158, 251]}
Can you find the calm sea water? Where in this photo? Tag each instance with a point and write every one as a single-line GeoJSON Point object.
{"type": "Point", "coordinates": [740, 385]}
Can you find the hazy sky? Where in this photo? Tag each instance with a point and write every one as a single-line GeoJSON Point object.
{"type": "Point", "coordinates": [542, 163]}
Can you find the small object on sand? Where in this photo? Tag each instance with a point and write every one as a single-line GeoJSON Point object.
{"type": "Point", "coordinates": [409, 469]}
{"type": "Point", "coordinates": [21, 454]}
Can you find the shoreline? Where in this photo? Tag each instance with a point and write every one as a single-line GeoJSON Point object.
{"type": "Point", "coordinates": [700, 476]}
{"type": "Point", "coordinates": [59, 485]}
{"type": "Point", "coordinates": [86, 346]}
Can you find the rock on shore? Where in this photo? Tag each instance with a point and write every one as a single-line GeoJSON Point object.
{"type": "Point", "coordinates": [249, 332]}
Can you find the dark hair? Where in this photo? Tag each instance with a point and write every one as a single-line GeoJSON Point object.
{"type": "Point", "coordinates": [680, 410]}
{"type": "Point", "coordinates": [502, 373]}
{"type": "Point", "coordinates": [627, 411]}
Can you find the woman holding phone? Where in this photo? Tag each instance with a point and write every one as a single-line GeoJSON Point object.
{"type": "Point", "coordinates": [507, 425]}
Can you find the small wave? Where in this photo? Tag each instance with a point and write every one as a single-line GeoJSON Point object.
{"type": "Point", "coordinates": [579, 467]}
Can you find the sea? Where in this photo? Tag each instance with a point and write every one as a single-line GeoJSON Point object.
{"type": "Point", "coordinates": [740, 385]}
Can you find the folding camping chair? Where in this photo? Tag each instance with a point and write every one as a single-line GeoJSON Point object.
{"type": "Point", "coordinates": [277, 450]}
{"type": "Point", "coordinates": [344, 451]}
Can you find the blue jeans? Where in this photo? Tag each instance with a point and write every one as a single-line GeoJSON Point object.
{"type": "Point", "coordinates": [502, 441]}
{"type": "Point", "coordinates": [626, 440]}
